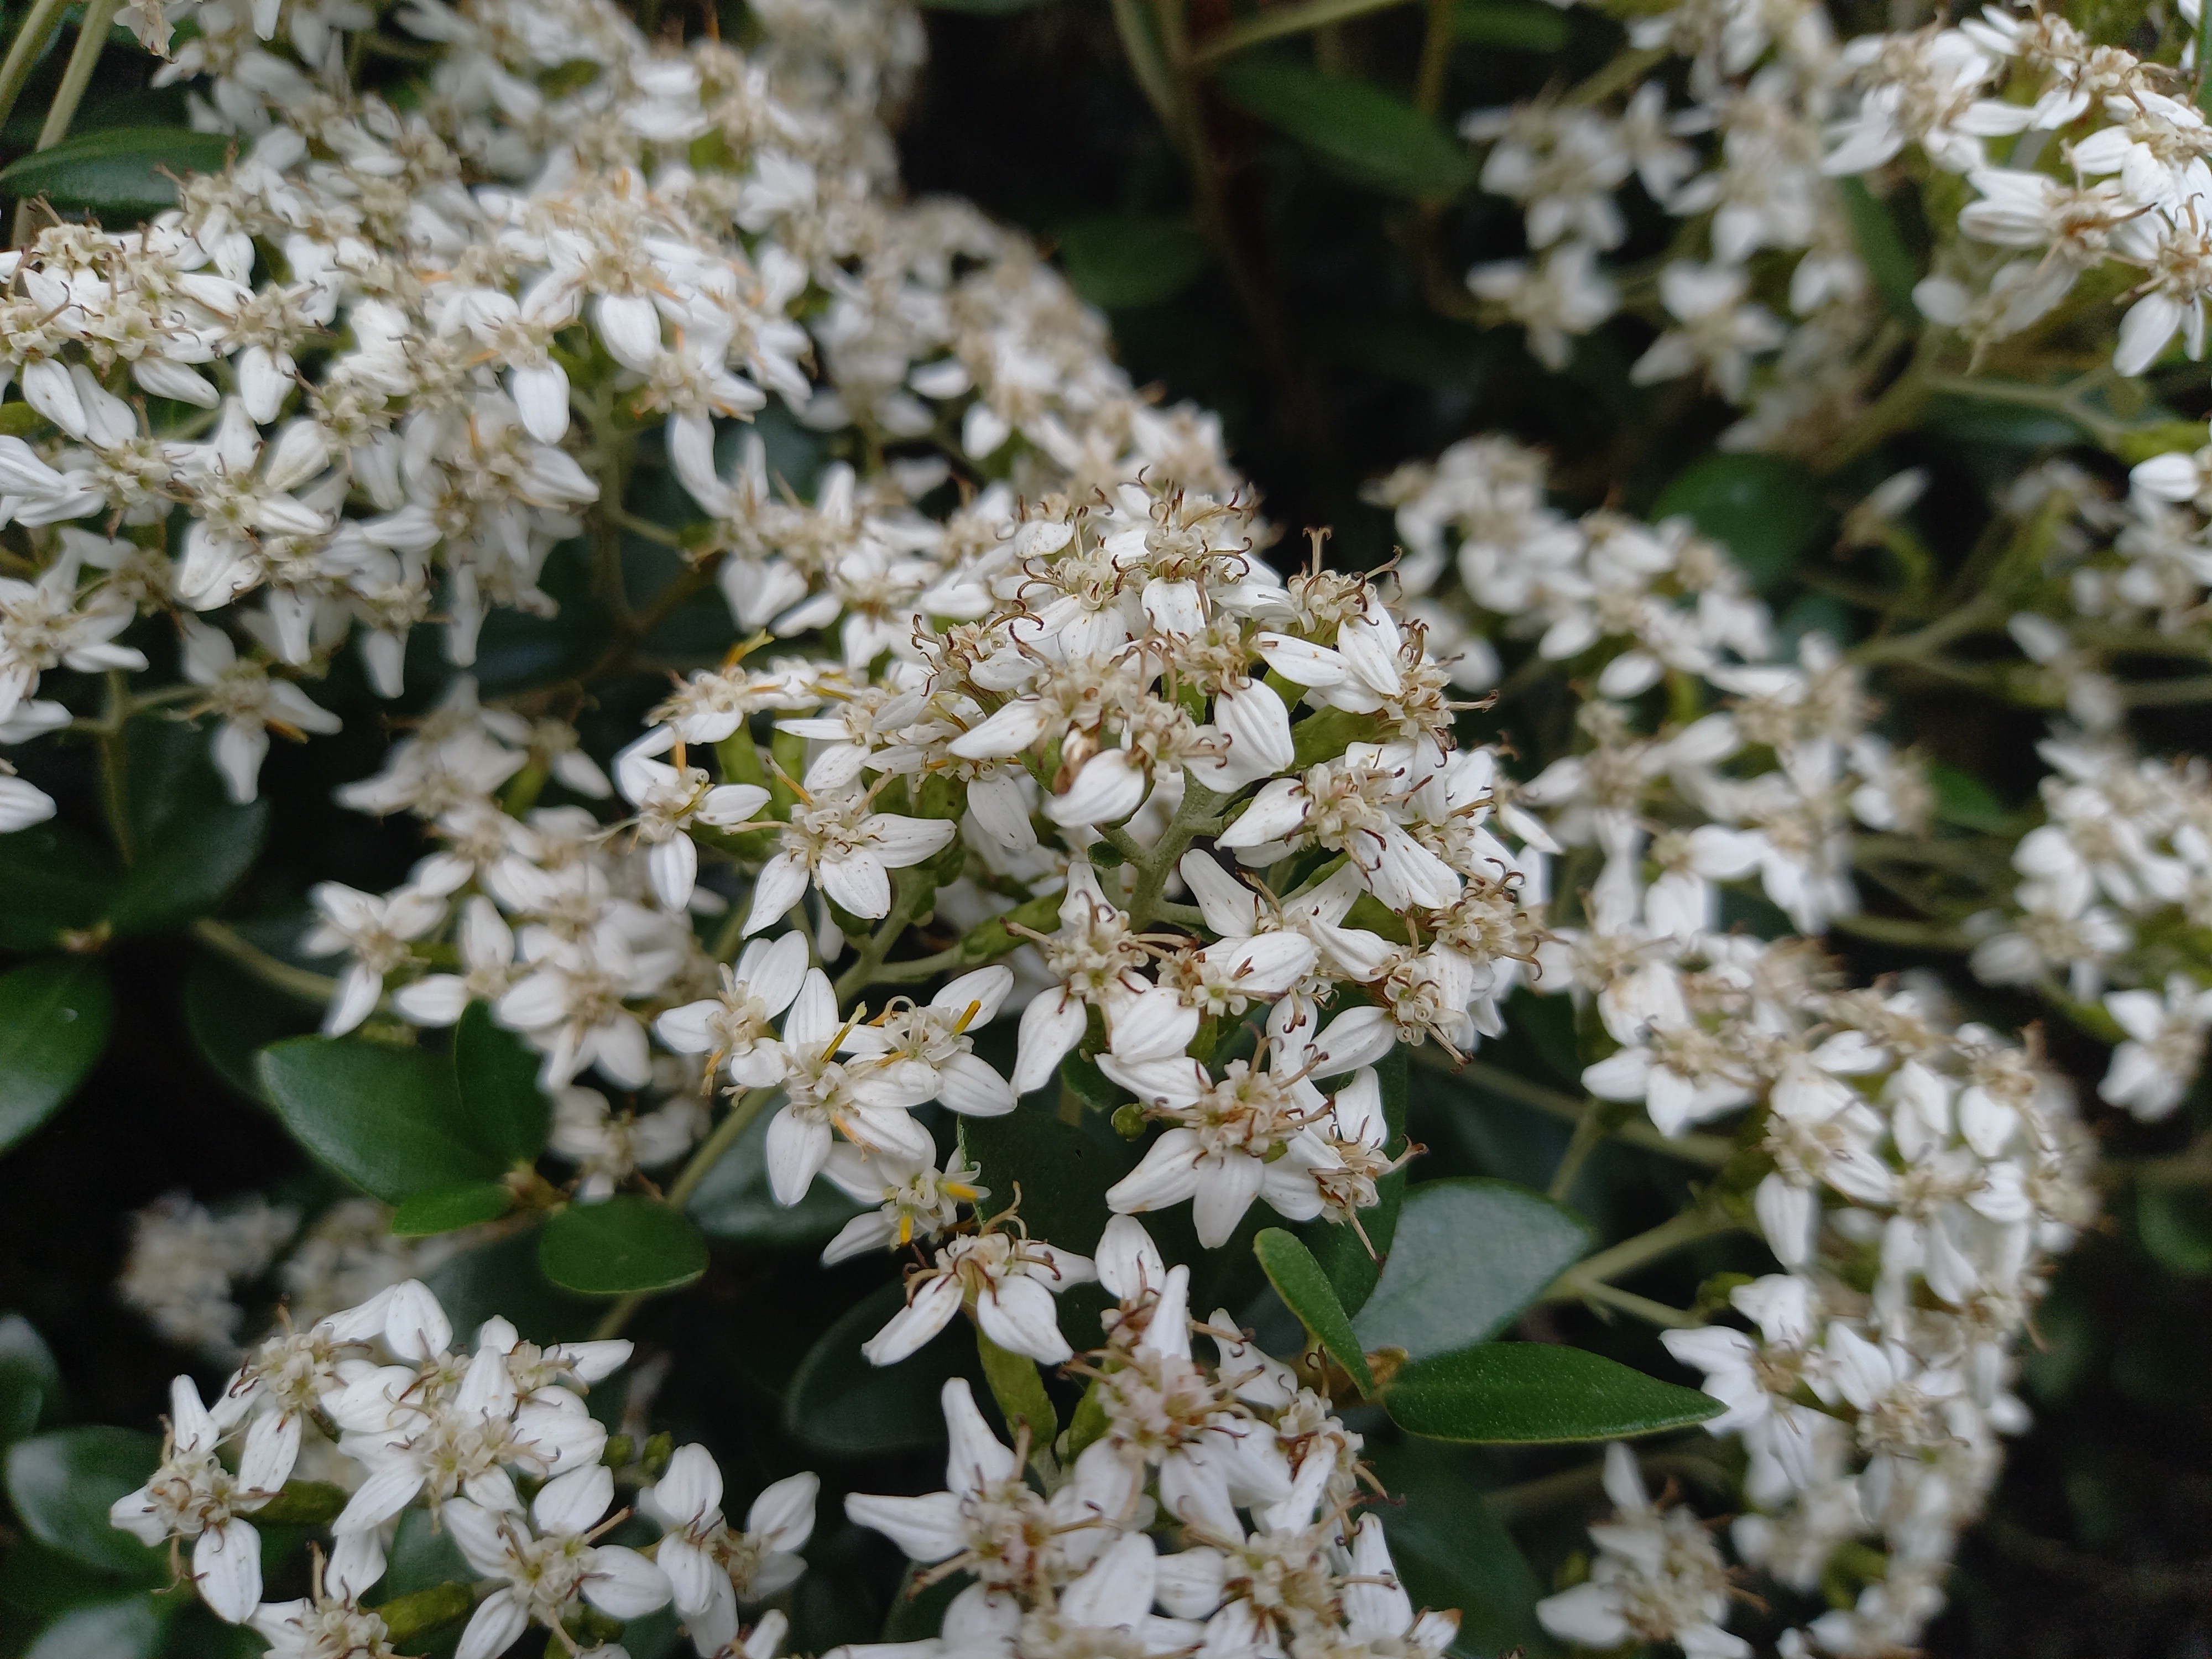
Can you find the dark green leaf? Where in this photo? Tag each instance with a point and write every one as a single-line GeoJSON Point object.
{"type": "Point", "coordinates": [1299, 1281]}
{"type": "Point", "coordinates": [63, 1484]}
{"type": "Point", "coordinates": [128, 1628]}
{"type": "Point", "coordinates": [1356, 129]}
{"type": "Point", "coordinates": [502, 1109]}
{"type": "Point", "coordinates": [389, 1119]}
{"type": "Point", "coordinates": [123, 170]}
{"type": "Point", "coordinates": [2175, 1225]}
{"type": "Point", "coordinates": [1061, 1171]}
{"type": "Point", "coordinates": [841, 1404]}
{"type": "Point", "coordinates": [734, 1202]}
{"type": "Point", "coordinates": [1516, 25]}
{"type": "Point", "coordinates": [1964, 799]}
{"type": "Point", "coordinates": [54, 1017]}
{"type": "Point", "coordinates": [1130, 260]}
{"type": "Point", "coordinates": [446, 1209]}
{"type": "Point", "coordinates": [1880, 247]}
{"type": "Point", "coordinates": [1768, 511]}
{"type": "Point", "coordinates": [30, 1381]}
{"type": "Point", "coordinates": [56, 881]}
{"type": "Point", "coordinates": [1470, 1255]}
{"type": "Point", "coordinates": [1451, 1551]}
{"type": "Point", "coordinates": [162, 106]}
{"type": "Point", "coordinates": [1535, 1393]}
{"type": "Point", "coordinates": [191, 842]}
{"type": "Point", "coordinates": [629, 1245]}
{"type": "Point", "coordinates": [1352, 1272]}
{"type": "Point", "coordinates": [502, 1278]}
{"type": "Point", "coordinates": [233, 1017]}
{"type": "Point", "coordinates": [1019, 1391]}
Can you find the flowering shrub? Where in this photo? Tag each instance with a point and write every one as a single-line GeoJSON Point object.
{"type": "Point", "coordinates": [847, 926]}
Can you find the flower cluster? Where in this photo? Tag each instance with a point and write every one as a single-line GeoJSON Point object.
{"type": "Point", "coordinates": [406, 1419]}
{"type": "Point", "coordinates": [1252, 1471]}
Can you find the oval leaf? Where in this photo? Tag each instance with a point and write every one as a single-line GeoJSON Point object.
{"type": "Point", "coordinates": [445, 1209]}
{"type": "Point", "coordinates": [63, 1484]}
{"type": "Point", "coordinates": [1470, 1255]}
{"type": "Point", "coordinates": [505, 1113]}
{"type": "Point", "coordinates": [191, 841]}
{"type": "Point", "coordinates": [54, 1018]}
{"type": "Point", "coordinates": [1128, 261]}
{"type": "Point", "coordinates": [1298, 1279]}
{"type": "Point", "coordinates": [130, 1628]}
{"type": "Point", "coordinates": [123, 170]}
{"type": "Point", "coordinates": [30, 1381]}
{"type": "Point", "coordinates": [629, 1245]}
{"type": "Point", "coordinates": [1356, 129]}
{"type": "Point", "coordinates": [1768, 511]}
{"type": "Point", "coordinates": [840, 1404]}
{"type": "Point", "coordinates": [1537, 1393]}
{"type": "Point", "coordinates": [56, 881]}
{"type": "Point", "coordinates": [389, 1119]}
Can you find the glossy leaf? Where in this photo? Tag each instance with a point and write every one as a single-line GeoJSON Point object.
{"type": "Point", "coordinates": [63, 1484]}
{"type": "Point", "coordinates": [734, 1202]}
{"type": "Point", "coordinates": [627, 1245]}
{"type": "Point", "coordinates": [129, 1628]}
{"type": "Point", "coordinates": [502, 1276]}
{"type": "Point", "coordinates": [232, 1019]}
{"type": "Point", "coordinates": [56, 881]}
{"type": "Point", "coordinates": [446, 1209]}
{"type": "Point", "coordinates": [1450, 1550]}
{"type": "Point", "coordinates": [1537, 1393]}
{"type": "Point", "coordinates": [120, 171]}
{"type": "Point", "coordinates": [1130, 260]}
{"type": "Point", "coordinates": [505, 1113]}
{"type": "Point", "coordinates": [1882, 248]}
{"type": "Point", "coordinates": [1768, 511]}
{"type": "Point", "coordinates": [54, 1020]}
{"type": "Point", "coordinates": [1516, 25]}
{"type": "Point", "coordinates": [30, 1381]}
{"type": "Point", "coordinates": [191, 842]}
{"type": "Point", "coordinates": [389, 1119]}
{"type": "Point", "coordinates": [1299, 1281]}
{"type": "Point", "coordinates": [1060, 1170]}
{"type": "Point", "coordinates": [1470, 1255]}
{"type": "Point", "coordinates": [1354, 128]}
{"type": "Point", "coordinates": [840, 1404]}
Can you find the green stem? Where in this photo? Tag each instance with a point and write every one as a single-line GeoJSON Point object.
{"type": "Point", "coordinates": [1195, 817]}
{"type": "Point", "coordinates": [911, 887]}
{"type": "Point", "coordinates": [1711, 1150]}
{"type": "Point", "coordinates": [235, 948]}
{"type": "Point", "coordinates": [1589, 1130]}
{"type": "Point", "coordinates": [91, 40]}
{"type": "Point", "coordinates": [45, 16]}
{"type": "Point", "coordinates": [1641, 1307]}
{"type": "Point", "coordinates": [1280, 20]}
{"type": "Point", "coordinates": [2166, 694]}
{"type": "Point", "coordinates": [1898, 930]}
{"type": "Point", "coordinates": [114, 763]}
{"type": "Point", "coordinates": [1690, 1227]}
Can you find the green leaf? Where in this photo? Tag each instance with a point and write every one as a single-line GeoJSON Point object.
{"type": "Point", "coordinates": [734, 1202]}
{"type": "Point", "coordinates": [1470, 1254]}
{"type": "Point", "coordinates": [1356, 129]}
{"type": "Point", "coordinates": [191, 842]}
{"type": "Point", "coordinates": [1516, 25]}
{"type": "Point", "coordinates": [1450, 1550]}
{"type": "Point", "coordinates": [233, 1017]}
{"type": "Point", "coordinates": [124, 170]}
{"type": "Point", "coordinates": [389, 1119]}
{"type": "Point", "coordinates": [1768, 511]}
{"type": "Point", "coordinates": [1964, 799]}
{"type": "Point", "coordinates": [448, 1209]}
{"type": "Point", "coordinates": [63, 1484]}
{"type": "Point", "coordinates": [30, 1381]}
{"type": "Point", "coordinates": [1353, 1272]}
{"type": "Point", "coordinates": [1130, 260]}
{"type": "Point", "coordinates": [1537, 1393]}
{"type": "Point", "coordinates": [1299, 1281]}
{"type": "Point", "coordinates": [1019, 1391]}
{"type": "Point", "coordinates": [502, 1276]}
{"type": "Point", "coordinates": [629, 1245]}
{"type": "Point", "coordinates": [1880, 247]}
{"type": "Point", "coordinates": [842, 1405]}
{"type": "Point", "coordinates": [129, 1628]}
{"type": "Point", "coordinates": [505, 1113]}
{"type": "Point", "coordinates": [1061, 1171]}
{"type": "Point", "coordinates": [2175, 1225]}
{"type": "Point", "coordinates": [54, 1018]}
{"type": "Point", "coordinates": [56, 882]}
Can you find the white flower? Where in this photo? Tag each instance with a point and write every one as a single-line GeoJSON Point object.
{"type": "Point", "coordinates": [376, 932]}
{"type": "Point", "coordinates": [1009, 1279]}
{"type": "Point", "coordinates": [668, 798]}
{"type": "Point", "coordinates": [838, 845]}
{"type": "Point", "coordinates": [2152, 1069]}
{"type": "Point", "coordinates": [712, 1567]}
{"type": "Point", "coordinates": [550, 1563]}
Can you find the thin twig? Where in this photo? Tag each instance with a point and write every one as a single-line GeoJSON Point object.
{"type": "Point", "coordinates": [45, 16]}
{"type": "Point", "coordinates": [91, 40]}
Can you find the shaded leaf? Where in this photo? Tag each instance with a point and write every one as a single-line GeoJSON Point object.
{"type": "Point", "coordinates": [502, 1278]}
{"type": "Point", "coordinates": [1352, 1272]}
{"type": "Point", "coordinates": [63, 1484]}
{"type": "Point", "coordinates": [389, 1119]}
{"type": "Point", "coordinates": [56, 881]}
{"type": "Point", "coordinates": [1768, 511]}
{"type": "Point", "coordinates": [1356, 129]}
{"type": "Point", "coordinates": [1450, 1550]}
{"type": "Point", "coordinates": [734, 1202]}
{"type": "Point", "coordinates": [127, 1628]}
{"type": "Point", "coordinates": [446, 1209]}
{"type": "Point", "coordinates": [1061, 1171]}
{"type": "Point", "coordinates": [1299, 1281]}
{"type": "Point", "coordinates": [1964, 799]}
{"type": "Point", "coordinates": [30, 1381]}
{"type": "Point", "coordinates": [1516, 25]}
{"type": "Point", "coordinates": [232, 1017]}
{"type": "Point", "coordinates": [54, 1020]}
{"type": "Point", "coordinates": [627, 1245]}
{"type": "Point", "coordinates": [122, 170]}
{"type": "Point", "coordinates": [1470, 1254]}
{"type": "Point", "coordinates": [1129, 260]}
{"type": "Point", "coordinates": [192, 844]}
{"type": "Point", "coordinates": [1535, 1394]}
{"type": "Point", "coordinates": [1882, 248]}
{"type": "Point", "coordinates": [841, 1404]}
{"type": "Point", "coordinates": [503, 1110]}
